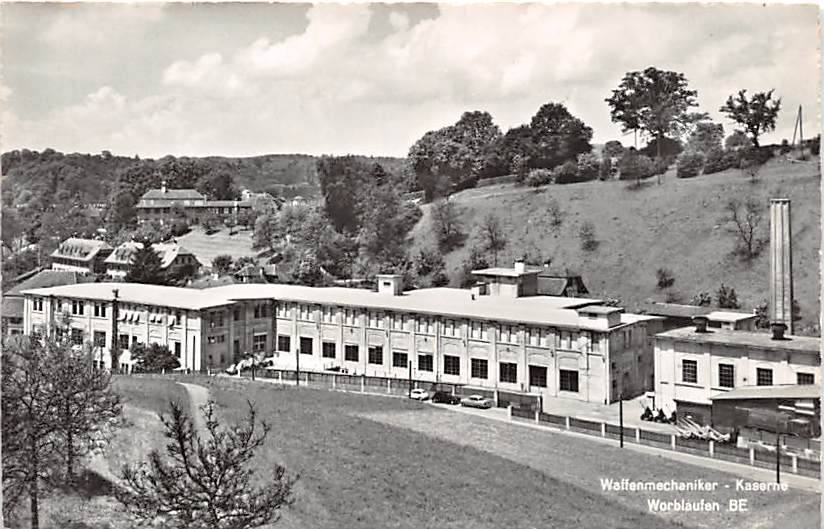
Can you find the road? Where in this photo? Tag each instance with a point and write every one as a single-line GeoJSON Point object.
{"type": "Point", "coordinates": [198, 397]}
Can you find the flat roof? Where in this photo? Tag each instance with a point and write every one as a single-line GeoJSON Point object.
{"type": "Point", "coordinates": [676, 310]}
{"type": "Point", "coordinates": [505, 272]}
{"type": "Point", "coordinates": [785, 391]}
{"type": "Point", "coordinates": [600, 309]}
{"type": "Point", "coordinates": [762, 340]}
{"type": "Point", "coordinates": [729, 316]}
{"type": "Point", "coordinates": [535, 310]}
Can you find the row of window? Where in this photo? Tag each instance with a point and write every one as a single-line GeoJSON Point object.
{"type": "Point", "coordinates": [726, 375]}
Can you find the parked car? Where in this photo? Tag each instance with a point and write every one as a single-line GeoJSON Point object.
{"type": "Point", "coordinates": [419, 394]}
{"type": "Point", "coordinates": [445, 398]}
{"type": "Point", "coordinates": [477, 401]}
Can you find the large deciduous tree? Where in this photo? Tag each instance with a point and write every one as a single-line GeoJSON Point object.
{"type": "Point", "coordinates": [655, 102]}
{"type": "Point", "coordinates": [557, 136]}
{"type": "Point", "coordinates": [206, 480]}
{"type": "Point", "coordinates": [755, 114]}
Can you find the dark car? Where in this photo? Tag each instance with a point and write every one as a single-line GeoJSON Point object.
{"type": "Point", "coordinates": [445, 398]}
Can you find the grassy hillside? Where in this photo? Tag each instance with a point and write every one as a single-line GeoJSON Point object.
{"type": "Point", "coordinates": [207, 247]}
{"type": "Point", "coordinates": [677, 225]}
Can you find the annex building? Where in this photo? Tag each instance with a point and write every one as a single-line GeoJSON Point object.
{"type": "Point", "coordinates": [166, 204]}
{"type": "Point", "coordinates": [530, 344]}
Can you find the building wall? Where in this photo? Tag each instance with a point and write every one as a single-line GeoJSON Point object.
{"type": "Point", "coordinates": [669, 377]}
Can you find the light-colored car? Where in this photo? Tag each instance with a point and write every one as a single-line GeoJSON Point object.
{"type": "Point", "coordinates": [419, 394]}
{"type": "Point", "coordinates": [477, 401]}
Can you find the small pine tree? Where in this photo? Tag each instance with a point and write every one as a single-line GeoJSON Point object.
{"type": "Point", "coordinates": [702, 299]}
{"type": "Point", "coordinates": [146, 267]}
{"type": "Point", "coordinates": [727, 298]}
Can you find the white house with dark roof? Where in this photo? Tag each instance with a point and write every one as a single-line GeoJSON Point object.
{"type": "Point", "coordinates": [538, 346]}
{"type": "Point", "coordinates": [165, 204]}
{"type": "Point", "coordinates": [81, 255]}
{"type": "Point", "coordinates": [173, 257]}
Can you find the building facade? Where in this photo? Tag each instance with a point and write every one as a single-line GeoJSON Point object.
{"type": "Point", "coordinates": [165, 204]}
{"type": "Point", "coordinates": [539, 345]}
{"type": "Point", "coordinates": [173, 256]}
{"type": "Point", "coordinates": [693, 365]}
{"type": "Point", "coordinates": [86, 256]}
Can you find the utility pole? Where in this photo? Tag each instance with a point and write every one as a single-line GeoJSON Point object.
{"type": "Point", "coordinates": [621, 419]}
{"type": "Point", "coordinates": [777, 456]}
{"type": "Point", "coordinates": [297, 366]}
{"type": "Point", "coordinates": [115, 350]}
{"type": "Point", "coordinates": [410, 379]}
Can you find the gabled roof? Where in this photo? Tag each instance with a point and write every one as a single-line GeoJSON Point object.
{"type": "Point", "coordinates": [168, 252]}
{"type": "Point", "coordinates": [80, 249]}
{"type": "Point", "coordinates": [13, 298]}
{"type": "Point", "coordinates": [172, 194]}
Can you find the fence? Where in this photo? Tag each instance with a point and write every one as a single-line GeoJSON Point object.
{"type": "Point", "coordinates": [757, 457]}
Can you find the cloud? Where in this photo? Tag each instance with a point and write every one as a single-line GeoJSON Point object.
{"type": "Point", "coordinates": [344, 83]}
{"type": "Point", "coordinates": [81, 25]}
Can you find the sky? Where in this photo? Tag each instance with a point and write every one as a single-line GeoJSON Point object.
{"type": "Point", "coordinates": [249, 79]}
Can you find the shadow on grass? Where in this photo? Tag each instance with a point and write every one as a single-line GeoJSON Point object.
{"type": "Point", "coordinates": [90, 484]}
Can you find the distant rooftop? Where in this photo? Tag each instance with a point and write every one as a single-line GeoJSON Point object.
{"type": "Point", "coordinates": [786, 391]}
{"type": "Point", "coordinates": [600, 309]}
{"type": "Point", "coordinates": [676, 310]}
{"type": "Point", "coordinates": [762, 340]}
{"type": "Point", "coordinates": [168, 252]}
{"type": "Point", "coordinates": [505, 272]}
{"type": "Point", "coordinates": [729, 317]}
{"type": "Point", "coordinates": [172, 194]}
{"type": "Point", "coordinates": [80, 249]}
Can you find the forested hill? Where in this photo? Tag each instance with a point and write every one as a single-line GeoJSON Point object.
{"type": "Point", "coordinates": [90, 177]}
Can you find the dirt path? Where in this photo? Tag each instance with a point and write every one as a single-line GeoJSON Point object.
{"type": "Point", "coordinates": [198, 396]}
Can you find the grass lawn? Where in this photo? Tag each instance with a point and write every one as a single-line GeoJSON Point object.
{"type": "Point", "coordinates": [368, 461]}
{"type": "Point", "coordinates": [677, 225]}
{"type": "Point", "coordinates": [153, 394]}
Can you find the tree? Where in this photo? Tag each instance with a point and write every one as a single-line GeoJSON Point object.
{"type": "Point", "coordinates": [152, 358]}
{"type": "Point", "coordinates": [746, 217]}
{"type": "Point", "coordinates": [558, 136]}
{"type": "Point", "coordinates": [702, 299]}
{"type": "Point", "coordinates": [737, 140]}
{"type": "Point", "coordinates": [206, 482]}
{"type": "Point", "coordinates": [218, 186]}
{"type": "Point", "coordinates": [706, 137]}
{"type": "Point", "coordinates": [222, 264]}
{"type": "Point", "coordinates": [727, 298]}
{"type": "Point", "coordinates": [446, 224]}
{"type": "Point", "coordinates": [492, 237]}
{"type": "Point", "coordinates": [146, 266]}
{"type": "Point", "coordinates": [613, 149]}
{"type": "Point", "coordinates": [756, 114]}
{"type": "Point", "coordinates": [665, 278]}
{"type": "Point", "coordinates": [655, 102]}
{"type": "Point", "coordinates": [475, 260]}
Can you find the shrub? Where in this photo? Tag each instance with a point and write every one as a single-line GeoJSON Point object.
{"type": "Point", "coordinates": [539, 177]}
{"type": "Point", "coordinates": [785, 146]}
{"type": "Point", "coordinates": [634, 166]}
{"type": "Point", "coordinates": [665, 278]}
{"type": "Point", "coordinates": [738, 140]}
{"type": "Point", "coordinates": [727, 298]}
{"type": "Point", "coordinates": [588, 167]}
{"type": "Point", "coordinates": [690, 164]}
{"type": "Point", "coordinates": [660, 165]}
{"type": "Point", "coordinates": [669, 147]}
{"type": "Point", "coordinates": [566, 173]}
{"type": "Point", "coordinates": [587, 236]}
{"type": "Point", "coordinates": [605, 170]}
{"type": "Point", "coordinates": [702, 299]}
{"type": "Point", "coordinates": [718, 160]}
{"type": "Point", "coordinates": [815, 145]}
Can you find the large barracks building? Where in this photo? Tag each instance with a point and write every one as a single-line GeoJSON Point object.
{"type": "Point", "coordinates": [500, 335]}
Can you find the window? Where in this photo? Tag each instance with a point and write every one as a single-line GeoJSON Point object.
{"type": "Point", "coordinates": [259, 343]}
{"type": "Point", "coordinates": [376, 354]}
{"type": "Point", "coordinates": [328, 350]}
{"type": "Point", "coordinates": [220, 338]}
{"type": "Point", "coordinates": [805, 379]}
{"type": "Point", "coordinates": [565, 339]}
{"type": "Point", "coordinates": [508, 333]}
{"type": "Point", "coordinates": [261, 311]}
{"type": "Point", "coordinates": [399, 322]}
{"type": "Point", "coordinates": [305, 345]}
{"type": "Point", "coordinates": [305, 313]}
{"type": "Point", "coordinates": [508, 372]}
{"type": "Point", "coordinates": [99, 339]}
{"type": "Point", "coordinates": [134, 340]}
{"type": "Point", "coordinates": [177, 349]}
{"type": "Point", "coordinates": [689, 371]}
{"type": "Point", "coordinates": [283, 310]}
{"type": "Point", "coordinates": [236, 314]}
{"type": "Point", "coordinates": [77, 336]}
{"type": "Point", "coordinates": [37, 304]}
{"type": "Point", "coordinates": [595, 342]}
{"type": "Point", "coordinates": [532, 336]}
{"type": "Point", "coordinates": [450, 328]}
{"type": "Point", "coordinates": [425, 362]}
{"type": "Point", "coordinates": [424, 325]}
{"type": "Point", "coordinates": [100, 310]}
{"type": "Point", "coordinates": [537, 376]}
{"type": "Point", "coordinates": [123, 341]}
{"type": "Point", "coordinates": [327, 314]}
{"type": "Point", "coordinates": [451, 365]}
{"type": "Point", "coordinates": [350, 353]}
{"type": "Point", "coordinates": [375, 320]}
{"type": "Point", "coordinates": [726, 376]}
{"type": "Point", "coordinates": [476, 330]}
{"type": "Point", "coordinates": [479, 368]}
{"type": "Point", "coordinates": [349, 317]}
{"type": "Point", "coordinates": [399, 359]}
{"type": "Point", "coordinates": [284, 343]}
{"type": "Point", "coordinates": [763, 377]}
{"type": "Point", "coordinates": [78, 308]}
{"type": "Point", "coordinates": [216, 319]}
{"type": "Point", "coordinates": [568, 380]}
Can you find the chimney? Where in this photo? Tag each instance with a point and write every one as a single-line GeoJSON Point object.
{"type": "Point", "coordinates": [163, 186]}
{"type": "Point", "coordinates": [778, 330]}
{"type": "Point", "coordinates": [781, 273]}
{"type": "Point", "coordinates": [520, 266]}
{"type": "Point", "coordinates": [700, 323]}
{"type": "Point", "coordinates": [390, 284]}
{"type": "Point", "coordinates": [479, 289]}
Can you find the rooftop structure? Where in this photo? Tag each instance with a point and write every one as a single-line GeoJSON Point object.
{"type": "Point", "coordinates": [761, 340]}
{"type": "Point", "coordinates": [13, 300]}
{"type": "Point", "coordinates": [80, 255]}
{"type": "Point", "coordinates": [784, 391]}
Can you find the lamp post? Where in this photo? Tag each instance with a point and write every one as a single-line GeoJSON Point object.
{"type": "Point", "coordinates": [115, 345]}
{"type": "Point", "coordinates": [297, 366]}
{"type": "Point", "coordinates": [621, 419]}
{"type": "Point", "coordinates": [410, 379]}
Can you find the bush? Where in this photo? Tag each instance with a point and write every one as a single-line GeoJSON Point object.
{"type": "Point", "coordinates": [605, 170]}
{"type": "Point", "coordinates": [539, 177]}
{"type": "Point", "coordinates": [634, 166]}
{"type": "Point", "coordinates": [660, 165]}
{"type": "Point", "coordinates": [587, 236]}
{"type": "Point", "coordinates": [815, 145]}
{"type": "Point", "coordinates": [690, 164]}
{"type": "Point", "coordinates": [588, 167]}
{"type": "Point", "coordinates": [718, 160]}
{"type": "Point", "coordinates": [665, 278]}
{"type": "Point", "coordinates": [567, 173]}
{"type": "Point", "coordinates": [669, 147]}
{"type": "Point", "coordinates": [702, 299]}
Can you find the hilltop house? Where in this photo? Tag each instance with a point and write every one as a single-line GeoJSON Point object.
{"type": "Point", "coordinates": [173, 257]}
{"type": "Point", "coordinates": [166, 204]}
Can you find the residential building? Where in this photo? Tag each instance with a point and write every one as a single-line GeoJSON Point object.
{"type": "Point", "coordinates": [173, 256]}
{"type": "Point", "coordinates": [86, 256]}
{"type": "Point", "coordinates": [677, 315]}
{"type": "Point", "coordinates": [695, 364]}
{"type": "Point", "coordinates": [13, 301]}
{"type": "Point", "coordinates": [532, 345]}
{"type": "Point", "coordinates": [166, 204]}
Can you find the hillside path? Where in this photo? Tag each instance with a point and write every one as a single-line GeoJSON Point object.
{"type": "Point", "coordinates": [198, 396]}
